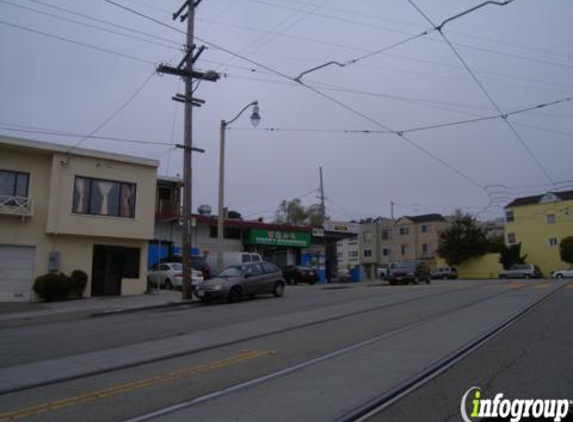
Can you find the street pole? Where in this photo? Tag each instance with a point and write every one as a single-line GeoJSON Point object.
{"type": "Point", "coordinates": [255, 119]}
{"type": "Point", "coordinates": [186, 243]}
{"type": "Point", "coordinates": [220, 216]}
{"type": "Point", "coordinates": [323, 212]}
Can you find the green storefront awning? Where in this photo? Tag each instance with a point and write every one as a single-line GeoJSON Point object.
{"type": "Point", "coordinates": [277, 238]}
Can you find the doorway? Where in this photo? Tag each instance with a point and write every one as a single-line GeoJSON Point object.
{"type": "Point", "coordinates": [110, 265]}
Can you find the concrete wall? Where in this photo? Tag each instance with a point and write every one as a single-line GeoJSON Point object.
{"type": "Point", "coordinates": [487, 266]}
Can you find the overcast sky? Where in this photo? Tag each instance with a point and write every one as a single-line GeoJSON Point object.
{"type": "Point", "coordinates": [520, 54]}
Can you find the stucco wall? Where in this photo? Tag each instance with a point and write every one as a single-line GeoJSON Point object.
{"type": "Point", "coordinates": [487, 266]}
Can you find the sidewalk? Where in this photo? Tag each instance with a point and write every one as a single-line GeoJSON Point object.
{"type": "Point", "coordinates": [25, 312]}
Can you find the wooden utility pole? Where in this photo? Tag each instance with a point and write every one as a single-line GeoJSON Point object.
{"type": "Point", "coordinates": [323, 212]}
{"type": "Point", "coordinates": [188, 74]}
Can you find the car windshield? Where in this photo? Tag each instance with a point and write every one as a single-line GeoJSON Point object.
{"type": "Point", "coordinates": [235, 271]}
{"type": "Point", "coordinates": [177, 267]}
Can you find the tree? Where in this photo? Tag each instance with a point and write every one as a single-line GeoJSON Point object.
{"type": "Point", "coordinates": [291, 212]}
{"type": "Point", "coordinates": [566, 249]}
{"type": "Point", "coordinates": [294, 213]}
{"type": "Point", "coordinates": [510, 256]}
{"type": "Point", "coordinates": [462, 240]}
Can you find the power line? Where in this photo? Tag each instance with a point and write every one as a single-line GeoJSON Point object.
{"type": "Point", "coordinates": [84, 24]}
{"type": "Point", "coordinates": [81, 44]}
{"type": "Point", "coordinates": [115, 113]}
{"type": "Point", "coordinates": [106, 22]}
{"type": "Point", "coordinates": [480, 85]}
{"type": "Point", "coordinates": [39, 131]}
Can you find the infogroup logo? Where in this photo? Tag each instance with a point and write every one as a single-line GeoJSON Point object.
{"type": "Point", "coordinates": [511, 409]}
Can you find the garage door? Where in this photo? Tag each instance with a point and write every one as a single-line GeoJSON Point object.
{"type": "Point", "coordinates": [16, 272]}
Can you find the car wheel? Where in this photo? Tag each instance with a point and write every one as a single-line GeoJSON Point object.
{"type": "Point", "coordinates": [234, 294]}
{"type": "Point", "coordinates": [527, 276]}
{"type": "Point", "coordinates": [445, 277]}
{"type": "Point", "coordinates": [428, 280]}
{"type": "Point", "coordinates": [503, 277]}
{"type": "Point", "coordinates": [279, 289]}
{"type": "Point", "coordinates": [205, 300]}
{"type": "Point", "coordinates": [168, 284]}
{"type": "Point", "coordinates": [559, 276]}
{"type": "Point", "coordinates": [416, 280]}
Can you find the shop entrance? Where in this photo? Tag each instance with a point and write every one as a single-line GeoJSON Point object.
{"type": "Point", "coordinates": [110, 264]}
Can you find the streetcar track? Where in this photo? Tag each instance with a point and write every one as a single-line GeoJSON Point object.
{"type": "Point", "coordinates": [365, 409]}
{"type": "Point", "coordinates": [173, 355]}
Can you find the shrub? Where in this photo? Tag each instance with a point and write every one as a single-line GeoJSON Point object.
{"type": "Point", "coordinates": [79, 281]}
{"type": "Point", "coordinates": [52, 286]}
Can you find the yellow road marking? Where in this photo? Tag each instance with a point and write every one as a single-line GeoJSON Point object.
{"type": "Point", "coordinates": [543, 286]}
{"type": "Point", "coordinates": [132, 386]}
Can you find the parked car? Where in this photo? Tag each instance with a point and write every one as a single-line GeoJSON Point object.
{"type": "Point", "coordinates": [444, 273]}
{"type": "Point", "coordinates": [169, 275]}
{"type": "Point", "coordinates": [230, 259]}
{"type": "Point", "coordinates": [197, 262]}
{"type": "Point", "coordinates": [247, 279]}
{"type": "Point", "coordinates": [295, 274]}
{"type": "Point", "coordinates": [522, 271]}
{"type": "Point", "coordinates": [412, 271]}
{"type": "Point", "coordinates": [200, 263]}
{"type": "Point", "coordinates": [384, 272]}
{"type": "Point", "coordinates": [344, 275]}
{"type": "Point", "coordinates": [568, 273]}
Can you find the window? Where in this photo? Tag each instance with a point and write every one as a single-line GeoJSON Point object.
{"type": "Point", "coordinates": [385, 252]}
{"type": "Point", "coordinates": [426, 228]}
{"type": "Point", "coordinates": [426, 248]}
{"type": "Point", "coordinates": [104, 197]}
{"type": "Point", "coordinates": [14, 183]}
{"type": "Point", "coordinates": [404, 231]}
{"type": "Point", "coordinates": [404, 249]}
{"type": "Point", "coordinates": [553, 241]}
{"type": "Point", "coordinates": [509, 217]}
{"type": "Point", "coordinates": [367, 236]}
{"type": "Point", "coordinates": [353, 254]}
{"type": "Point", "coordinates": [551, 219]}
{"type": "Point", "coordinates": [269, 267]}
{"type": "Point", "coordinates": [385, 234]}
{"type": "Point", "coordinates": [511, 239]}
{"type": "Point", "coordinates": [339, 256]}
{"type": "Point", "coordinates": [367, 253]}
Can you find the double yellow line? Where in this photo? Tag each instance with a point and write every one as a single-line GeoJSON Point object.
{"type": "Point", "coordinates": [131, 386]}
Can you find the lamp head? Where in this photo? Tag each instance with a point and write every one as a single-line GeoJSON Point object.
{"type": "Point", "coordinates": [255, 117]}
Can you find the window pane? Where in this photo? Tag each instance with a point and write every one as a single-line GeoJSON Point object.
{"type": "Point", "coordinates": [22, 185]}
{"type": "Point", "coordinates": [127, 205]}
{"type": "Point", "coordinates": [96, 198]}
{"type": "Point", "coordinates": [7, 183]}
{"type": "Point", "coordinates": [113, 199]}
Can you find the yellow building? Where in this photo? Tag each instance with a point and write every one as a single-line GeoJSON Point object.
{"type": "Point", "coordinates": [63, 209]}
{"type": "Point", "coordinates": [539, 223]}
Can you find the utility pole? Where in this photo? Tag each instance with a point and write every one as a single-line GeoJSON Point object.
{"type": "Point", "coordinates": [188, 74]}
{"type": "Point", "coordinates": [392, 234]}
{"type": "Point", "coordinates": [323, 212]}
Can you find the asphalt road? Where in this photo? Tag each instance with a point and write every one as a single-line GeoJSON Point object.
{"type": "Point", "coordinates": [342, 348]}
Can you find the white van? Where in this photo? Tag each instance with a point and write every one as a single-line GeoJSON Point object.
{"type": "Point", "coordinates": [231, 258]}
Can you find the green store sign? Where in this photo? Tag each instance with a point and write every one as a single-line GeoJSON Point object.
{"type": "Point", "coordinates": [277, 238]}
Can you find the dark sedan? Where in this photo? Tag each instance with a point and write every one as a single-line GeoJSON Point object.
{"type": "Point", "coordinates": [295, 274]}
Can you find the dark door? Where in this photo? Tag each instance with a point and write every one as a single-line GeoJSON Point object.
{"type": "Point", "coordinates": [110, 265]}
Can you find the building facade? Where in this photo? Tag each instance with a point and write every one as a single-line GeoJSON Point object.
{"type": "Point", "coordinates": [62, 210]}
{"type": "Point", "coordinates": [539, 223]}
{"type": "Point", "coordinates": [417, 237]}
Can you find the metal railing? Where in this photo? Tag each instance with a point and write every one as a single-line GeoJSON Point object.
{"type": "Point", "coordinates": [16, 205]}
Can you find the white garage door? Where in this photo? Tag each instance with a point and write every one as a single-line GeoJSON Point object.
{"type": "Point", "coordinates": [16, 272]}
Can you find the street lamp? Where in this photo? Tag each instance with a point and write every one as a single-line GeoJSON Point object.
{"type": "Point", "coordinates": [255, 119]}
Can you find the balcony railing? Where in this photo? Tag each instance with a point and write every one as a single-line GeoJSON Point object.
{"type": "Point", "coordinates": [16, 205]}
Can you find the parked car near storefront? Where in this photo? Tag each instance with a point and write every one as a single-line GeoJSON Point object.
{"type": "Point", "coordinates": [248, 279]}
{"type": "Point", "coordinates": [522, 271]}
{"type": "Point", "coordinates": [444, 273]}
{"type": "Point", "coordinates": [169, 275]}
{"type": "Point", "coordinates": [295, 274]}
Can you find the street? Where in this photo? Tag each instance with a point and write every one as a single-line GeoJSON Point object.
{"type": "Point", "coordinates": [320, 353]}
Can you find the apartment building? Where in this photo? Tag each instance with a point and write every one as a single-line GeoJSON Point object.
{"type": "Point", "coordinates": [376, 245]}
{"type": "Point", "coordinates": [539, 223]}
{"type": "Point", "coordinates": [63, 209]}
{"type": "Point", "coordinates": [417, 237]}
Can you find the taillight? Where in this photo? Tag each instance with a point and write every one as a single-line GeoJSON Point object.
{"type": "Point", "coordinates": [178, 275]}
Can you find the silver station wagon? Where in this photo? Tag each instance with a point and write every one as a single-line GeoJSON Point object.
{"type": "Point", "coordinates": [237, 281]}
